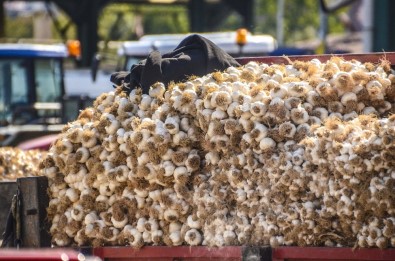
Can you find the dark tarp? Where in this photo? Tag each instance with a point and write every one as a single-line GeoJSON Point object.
{"type": "Point", "coordinates": [195, 55]}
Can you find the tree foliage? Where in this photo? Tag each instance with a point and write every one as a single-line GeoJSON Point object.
{"type": "Point", "coordinates": [159, 20]}
{"type": "Point", "coordinates": [119, 21]}
{"type": "Point", "coordinates": [19, 27]}
{"type": "Point", "coordinates": [301, 19]}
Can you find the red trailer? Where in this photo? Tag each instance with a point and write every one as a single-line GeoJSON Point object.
{"type": "Point", "coordinates": [41, 255]}
{"type": "Point", "coordinates": [200, 253]}
{"type": "Point", "coordinates": [230, 253]}
{"type": "Point", "coordinates": [364, 58]}
{"type": "Point", "coordinates": [243, 252]}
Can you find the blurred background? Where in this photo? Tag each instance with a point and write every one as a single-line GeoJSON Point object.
{"type": "Point", "coordinates": [101, 25]}
{"type": "Point", "coordinates": [87, 40]}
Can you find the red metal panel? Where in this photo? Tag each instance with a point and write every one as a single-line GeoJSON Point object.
{"type": "Point", "coordinates": [332, 253]}
{"type": "Point", "coordinates": [362, 57]}
{"type": "Point", "coordinates": [168, 253]}
{"type": "Point", "coordinates": [173, 259]}
{"type": "Point", "coordinates": [40, 254]}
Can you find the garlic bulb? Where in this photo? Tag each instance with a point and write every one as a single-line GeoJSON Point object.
{"type": "Point", "coordinates": [193, 237]}
{"type": "Point", "coordinates": [17, 163]}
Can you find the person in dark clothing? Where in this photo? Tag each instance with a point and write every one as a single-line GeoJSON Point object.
{"type": "Point", "coordinates": [195, 55]}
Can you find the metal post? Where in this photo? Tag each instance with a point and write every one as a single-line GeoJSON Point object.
{"type": "Point", "coordinates": [87, 33]}
{"type": "Point", "coordinates": [367, 23]}
{"type": "Point", "coordinates": [280, 22]}
{"type": "Point", "coordinates": [2, 19]}
{"type": "Point", "coordinates": [196, 9]}
{"type": "Point", "coordinates": [323, 32]}
{"type": "Point", "coordinates": [34, 226]}
{"type": "Point", "coordinates": [249, 15]}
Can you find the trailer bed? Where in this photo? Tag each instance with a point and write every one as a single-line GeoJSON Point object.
{"type": "Point", "coordinates": [230, 253]}
{"type": "Point", "coordinates": [362, 57]}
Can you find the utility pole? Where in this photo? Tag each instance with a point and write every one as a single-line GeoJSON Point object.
{"type": "Point", "coordinates": [85, 13]}
{"type": "Point", "coordinates": [2, 19]}
{"type": "Point", "coordinates": [280, 22]}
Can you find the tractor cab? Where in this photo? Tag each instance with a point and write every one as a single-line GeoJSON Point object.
{"type": "Point", "coordinates": [32, 92]}
{"type": "Point", "coordinates": [31, 84]}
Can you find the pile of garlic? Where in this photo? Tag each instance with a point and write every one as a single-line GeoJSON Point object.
{"type": "Point", "coordinates": [16, 163]}
{"type": "Point", "coordinates": [298, 154]}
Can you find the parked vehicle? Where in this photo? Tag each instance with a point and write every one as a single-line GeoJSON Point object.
{"type": "Point", "coordinates": [33, 97]}
{"type": "Point", "coordinates": [234, 43]}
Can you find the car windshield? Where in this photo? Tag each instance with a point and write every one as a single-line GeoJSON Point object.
{"type": "Point", "coordinates": [26, 85]}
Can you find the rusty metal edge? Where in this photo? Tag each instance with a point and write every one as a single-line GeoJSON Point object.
{"type": "Point", "coordinates": [332, 253]}
{"type": "Point", "coordinates": [362, 57]}
{"type": "Point", "coordinates": [166, 251]}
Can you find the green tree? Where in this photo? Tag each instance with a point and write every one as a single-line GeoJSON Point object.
{"type": "Point", "coordinates": [162, 19]}
{"type": "Point", "coordinates": [118, 17]}
{"type": "Point", "coordinates": [19, 27]}
{"type": "Point", "coordinates": [301, 19]}
{"type": "Point", "coordinates": [156, 20]}
{"type": "Point", "coordinates": [118, 21]}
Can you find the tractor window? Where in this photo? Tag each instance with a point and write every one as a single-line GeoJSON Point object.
{"type": "Point", "coordinates": [48, 80]}
{"type": "Point", "coordinates": [13, 87]}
